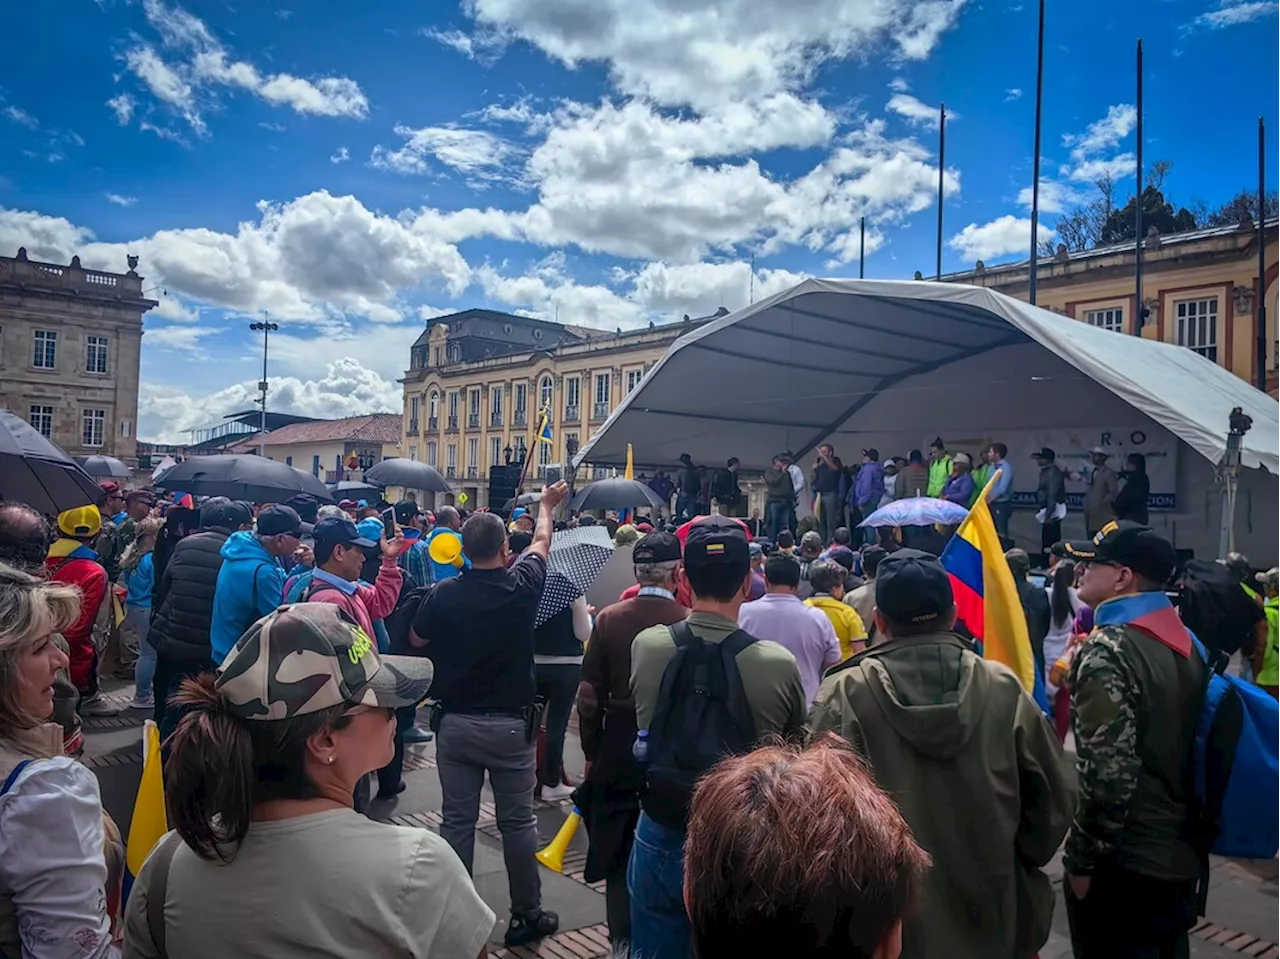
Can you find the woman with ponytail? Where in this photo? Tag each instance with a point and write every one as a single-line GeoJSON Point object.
{"type": "Point", "coordinates": [268, 858]}
{"type": "Point", "coordinates": [138, 576]}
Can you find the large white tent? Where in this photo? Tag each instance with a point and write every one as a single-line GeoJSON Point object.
{"type": "Point", "coordinates": [891, 364]}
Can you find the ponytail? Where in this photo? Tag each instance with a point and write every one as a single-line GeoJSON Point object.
{"type": "Point", "coordinates": [220, 766]}
{"type": "Point", "coordinates": [1064, 575]}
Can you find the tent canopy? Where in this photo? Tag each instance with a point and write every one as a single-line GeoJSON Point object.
{"type": "Point", "coordinates": [901, 360]}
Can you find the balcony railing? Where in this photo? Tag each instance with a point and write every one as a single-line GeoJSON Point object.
{"type": "Point", "coordinates": [600, 411]}
{"type": "Point", "coordinates": [451, 472]}
{"type": "Point", "coordinates": [453, 424]}
{"type": "Point", "coordinates": [495, 420]}
{"type": "Point", "coordinates": [413, 428]}
{"type": "Point", "coordinates": [520, 418]}
{"type": "Point", "coordinates": [473, 421]}
{"type": "Point", "coordinates": [433, 424]}
{"type": "Point", "coordinates": [573, 414]}
{"type": "Point", "coordinates": [473, 472]}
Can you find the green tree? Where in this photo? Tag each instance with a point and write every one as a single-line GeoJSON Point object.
{"type": "Point", "coordinates": [1156, 212]}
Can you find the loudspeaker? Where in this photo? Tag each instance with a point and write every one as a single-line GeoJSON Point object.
{"type": "Point", "coordinates": [502, 485]}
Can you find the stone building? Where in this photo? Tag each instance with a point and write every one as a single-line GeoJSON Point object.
{"type": "Point", "coordinates": [1199, 289]}
{"type": "Point", "coordinates": [70, 340]}
{"type": "Point", "coordinates": [477, 381]}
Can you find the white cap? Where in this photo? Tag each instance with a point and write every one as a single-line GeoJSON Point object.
{"type": "Point", "coordinates": [891, 462]}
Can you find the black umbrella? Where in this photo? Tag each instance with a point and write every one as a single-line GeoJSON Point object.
{"type": "Point", "coordinates": [244, 477]}
{"type": "Point", "coordinates": [104, 467]}
{"type": "Point", "coordinates": [410, 474]}
{"type": "Point", "coordinates": [350, 489]}
{"type": "Point", "coordinates": [35, 471]}
{"type": "Point", "coordinates": [614, 494]}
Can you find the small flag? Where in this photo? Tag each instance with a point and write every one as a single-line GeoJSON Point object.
{"type": "Point", "coordinates": [149, 823]}
{"type": "Point", "coordinates": [628, 515]}
{"type": "Point", "coordinates": [544, 427]}
{"type": "Point", "coordinates": [986, 596]}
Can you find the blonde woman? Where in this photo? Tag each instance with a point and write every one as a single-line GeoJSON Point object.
{"type": "Point", "coordinates": [60, 855]}
{"type": "Point", "coordinates": [138, 576]}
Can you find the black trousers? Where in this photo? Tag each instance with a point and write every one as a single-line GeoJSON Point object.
{"type": "Point", "coordinates": [617, 907]}
{"type": "Point", "coordinates": [558, 684]}
{"type": "Point", "coordinates": [390, 775]}
{"type": "Point", "coordinates": [1050, 533]}
{"type": "Point", "coordinates": [1130, 916]}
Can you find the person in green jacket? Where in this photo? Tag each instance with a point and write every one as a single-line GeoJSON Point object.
{"type": "Point", "coordinates": [981, 474]}
{"type": "Point", "coordinates": [939, 466]}
{"type": "Point", "coordinates": [1267, 665]}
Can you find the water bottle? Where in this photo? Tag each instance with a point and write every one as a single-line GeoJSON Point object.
{"type": "Point", "coordinates": [640, 748]}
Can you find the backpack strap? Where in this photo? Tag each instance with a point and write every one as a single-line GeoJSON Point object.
{"type": "Point", "coordinates": [14, 774]}
{"type": "Point", "coordinates": [158, 889]}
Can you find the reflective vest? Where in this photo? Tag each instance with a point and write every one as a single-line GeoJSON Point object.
{"type": "Point", "coordinates": [1270, 675]}
{"type": "Point", "coordinates": [939, 473]}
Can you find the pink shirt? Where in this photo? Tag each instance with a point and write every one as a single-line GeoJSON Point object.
{"type": "Point", "coordinates": [804, 631]}
{"type": "Point", "coordinates": [363, 603]}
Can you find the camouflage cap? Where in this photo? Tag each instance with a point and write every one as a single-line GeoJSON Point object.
{"type": "Point", "coordinates": [310, 656]}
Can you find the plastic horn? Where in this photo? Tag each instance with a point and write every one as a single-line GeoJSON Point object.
{"type": "Point", "coordinates": [553, 856]}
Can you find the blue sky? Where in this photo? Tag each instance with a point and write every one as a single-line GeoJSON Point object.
{"type": "Point", "coordinates": [357, 168]}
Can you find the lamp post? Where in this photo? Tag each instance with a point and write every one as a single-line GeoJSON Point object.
{"type": "Point", "coordinates": [267, 329]}
{"type": "Point", "coordinates": [571, 450]}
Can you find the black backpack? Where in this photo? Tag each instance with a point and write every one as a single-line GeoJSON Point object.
{"type": "Point", "coordinates": [1213, 605]}
{"type": "Point", "coordinates": [702, 716]}
{"type": "Point", "coordinates": [400, 619]}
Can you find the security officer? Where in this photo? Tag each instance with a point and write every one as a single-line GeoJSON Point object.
{"type": "Point", "coordinates": [478, 630]}
{"type": "Point", "coordinates": [1135, 692]}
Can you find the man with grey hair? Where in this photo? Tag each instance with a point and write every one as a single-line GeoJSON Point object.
{"type": "Point", "coordinates": [607, 721]}
{"type": "Point", "coordinates": [477, 628]}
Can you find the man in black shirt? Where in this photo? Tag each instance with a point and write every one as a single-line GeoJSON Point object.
{"type": "Point", "coordinates": [478, 630]}
{"type": "Point", "coordinates": [825, 483]}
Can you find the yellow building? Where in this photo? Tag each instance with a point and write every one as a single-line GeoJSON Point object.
{"type": "Point", "coordinates": [1198, 288]}
{"type": "Point", "coordinates": [324, 448]}
{"type": "Point", "coordinates": [478, 379]}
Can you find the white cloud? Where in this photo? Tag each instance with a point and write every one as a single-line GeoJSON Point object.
{"type": "Point", "coordinates": [475, 153]}
{"type": "Point", "coordinates": [1232, 13]}
{"type": "Point", "coordinates": [172, 308]}
{"type": "Point", "coordinates": [899, 85]}
{"type": "Point", "coordinates": [177, 339]}
{"type": "Point", "coordinates": [202, 65]}
{"type": "Point", "coordinates": [1103, 134]}
{"type": "Point", "coordinates": [123, 105]}
{"type": "Point", "coordinates": [1114, 167]}
{"type": "Point", "coordinates": [165, 414]}
{"type": "Point", "coordinates": [340, 156]}
{"type": "Point", "coordinates": [915, 112]}
{"type": "Point", "coordinates": [21, 117]}
{"type": "Point", "coordinates": [1013, 93]}
{"type": "Point", "coordinates": [483, 46]}
{"type": "Point", "coordinates": [1055, 196]}
{"type": "Point", "coordinates": [119, 200]}
{"type": "Point", "coordinates": [1001, 237]}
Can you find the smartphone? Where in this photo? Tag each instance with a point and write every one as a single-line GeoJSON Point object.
{"type": "Point", "coordinates": [389, 522]}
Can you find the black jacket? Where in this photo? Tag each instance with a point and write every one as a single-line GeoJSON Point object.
{"type": "Point", "coordinates": [1131, 502]}
{"type": "Point", "coordinates": [184, 599]}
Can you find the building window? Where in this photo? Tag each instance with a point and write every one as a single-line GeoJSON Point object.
{"type": "Point", "coordinates": [126, 428]}
{"type": "Point", "coordinates": [93, 427]}
{"type": "Point", "coordinates": [544, 458]}
{"type": "Point", "coordinates": [453, 410]}
{"type": "Point", "coordinates": [495, 450]}
{"type": "Point", "coordinates": [337, 464]}
{"type": "Point", "coordinates": [436, 353]}
{"type": "Point", "coordinates": [601, 408]}
{"type": "Point", "coordinates": [45, 356]}
{"type": "Point", "coordinates": [432, 460]}
{"type": "Point", "coordinates": [455, 352]}
{"type": "Point", "coordinates": [315, 465]}
{"type": "Point", "coordinates": [96, 354]}
{"type": "Point", "coordinates": [633, 379]}
{"type": "Point", "coordinates": [1198, 326]}
{"type": "Point", "coordinates": [413, 452]}
{"type": "Point", "coordinates": [288, 461]}
{"type": "Point", "coordinates": [544, 393]}
{"type": "Point", "coordinates": [451, 465]}
{"type": "Point", "coordinates": [415, 407]}
{"type": "Point", "coordinates": [433, 404]}
{"type": "Point", "coordinates": [473, 456]}
{"type": "Point", "coordinates": [473, 410]}
{"type": "Point", "coordinates": [521, 404]}
{"type": "Point", "coordinates": [1112, 319]}
{"type": "Point", "coordinates": [41, 420]}
{"type": "Point", "coordinates": [572, 398]}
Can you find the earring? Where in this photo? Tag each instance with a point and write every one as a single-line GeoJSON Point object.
{"type": "Point", "coordinates": [330, 760]}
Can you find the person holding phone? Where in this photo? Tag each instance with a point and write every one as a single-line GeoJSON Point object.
{"type": "Point", "coordinates": [339, 553]}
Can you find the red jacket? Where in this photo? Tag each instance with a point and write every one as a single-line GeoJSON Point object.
{"type": "Point", "coordinates": [91, 578]}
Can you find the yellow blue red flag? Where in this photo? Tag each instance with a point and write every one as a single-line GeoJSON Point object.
{"type": "Point", "coordinates": [544, 427]}
{"type": "Point", "coordinates": [149, 822]}
{"type": "Point", "coordinates": [986, 596]}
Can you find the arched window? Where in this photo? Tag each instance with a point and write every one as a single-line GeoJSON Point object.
{"type": "Point", "coordinates": [433, 404]}
{"type": "Point", "coordinates": [544, 393]}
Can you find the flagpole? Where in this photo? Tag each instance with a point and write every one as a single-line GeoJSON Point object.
{"type": "Point", "coordinates": [1140, 312]}
{"type": "Point", "coordinates": [1262, 256]}
{"type": "Point", "coordinates": [862, 247]}
{"type": "Point", "coordinates": [1035, 177]}
{"type": "Point", "coordinates": [942, 166]}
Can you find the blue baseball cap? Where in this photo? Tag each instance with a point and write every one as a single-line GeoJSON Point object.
{"type": "Point", "coordinates": [332, 531]}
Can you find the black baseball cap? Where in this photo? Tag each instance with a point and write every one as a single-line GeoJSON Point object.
{"type": "Point", "coordinates": [656, 548]}
{"type": "Point", "coordinates": [912, 587]}
{"type": "Point", "coordinates": [281, 519]}
{"type": "Point", "coordinates": [1044, 453]}
{"type": "Point", "coordinates": [715, 540]}
{"type": "Point", "coordinates": [1125, 543]}
{"type": "Point", "coordinates": [406, 510]}
{"type": "Point", "coordinates": [332, 531]}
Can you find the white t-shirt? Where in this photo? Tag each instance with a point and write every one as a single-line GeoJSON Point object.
{"type": "Point", "coordinates": [330, 884]}
{"type": "Point", "coordinates": [1055, 641]}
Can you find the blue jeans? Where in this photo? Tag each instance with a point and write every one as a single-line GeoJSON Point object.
{"type": "Point", "coordinates": [139, 619]}
{"type": "Point", "coordinates": [775, 517]}
{"type": "Point", "coordinates": [655, 880]}
{"type": "Point", "coordinates": [686, 506]}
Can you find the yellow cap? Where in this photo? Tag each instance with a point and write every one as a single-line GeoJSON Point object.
{"type": "Point", "coordinates": [80, 522]}
{"type": "Point", "coordinates": [446, 549]}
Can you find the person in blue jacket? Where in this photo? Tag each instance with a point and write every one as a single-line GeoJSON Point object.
{"type": "Point", "coordinates": [448, 523]}
{"type": "Point", "coordinates": [251, 580]}
{"type": "Point", "coordinates": [138, 576]}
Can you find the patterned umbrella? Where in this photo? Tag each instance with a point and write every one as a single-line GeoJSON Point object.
{"type": "Point", "coordinates": [917, 511]}
{"type": "Point", "coordinates": [577, 556]}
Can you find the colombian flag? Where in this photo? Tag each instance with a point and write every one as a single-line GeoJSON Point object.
{"type": "Point", "coordinates": [149, 823]}
{"type": "Point", "coordinates": [544, 427]}
{"type": "Point", "coordinates": [986, 597]}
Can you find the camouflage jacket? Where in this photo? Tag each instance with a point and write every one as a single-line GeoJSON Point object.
{"type": "Point", "coordinates": [1132, 703]}
{"type": "Point", "coordinates": [112, 543]}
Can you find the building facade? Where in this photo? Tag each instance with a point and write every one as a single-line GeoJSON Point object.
{"type": "Point", "coordinates": [331, 450]}
{"type": "Point", "coordinates": [1199, 290]}
{"type": "Point", "coordinates": [478, 380]}
{"type": "Point", "coordinates": [70, 344]}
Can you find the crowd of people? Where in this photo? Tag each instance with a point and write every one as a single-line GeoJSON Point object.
{"type": "Point", "coordinates": [790, 745]}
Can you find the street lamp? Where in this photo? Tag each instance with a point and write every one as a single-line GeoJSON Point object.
{"type": "Point", "coordinates": [571, 450]}
{"type": "Point", "coordinates": [267, 329]}
{"type": "Point", "coordinates": [506, 454]}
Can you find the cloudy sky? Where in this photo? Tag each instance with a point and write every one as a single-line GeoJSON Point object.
{"type": "Point", "coordinates": [354, 169]}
